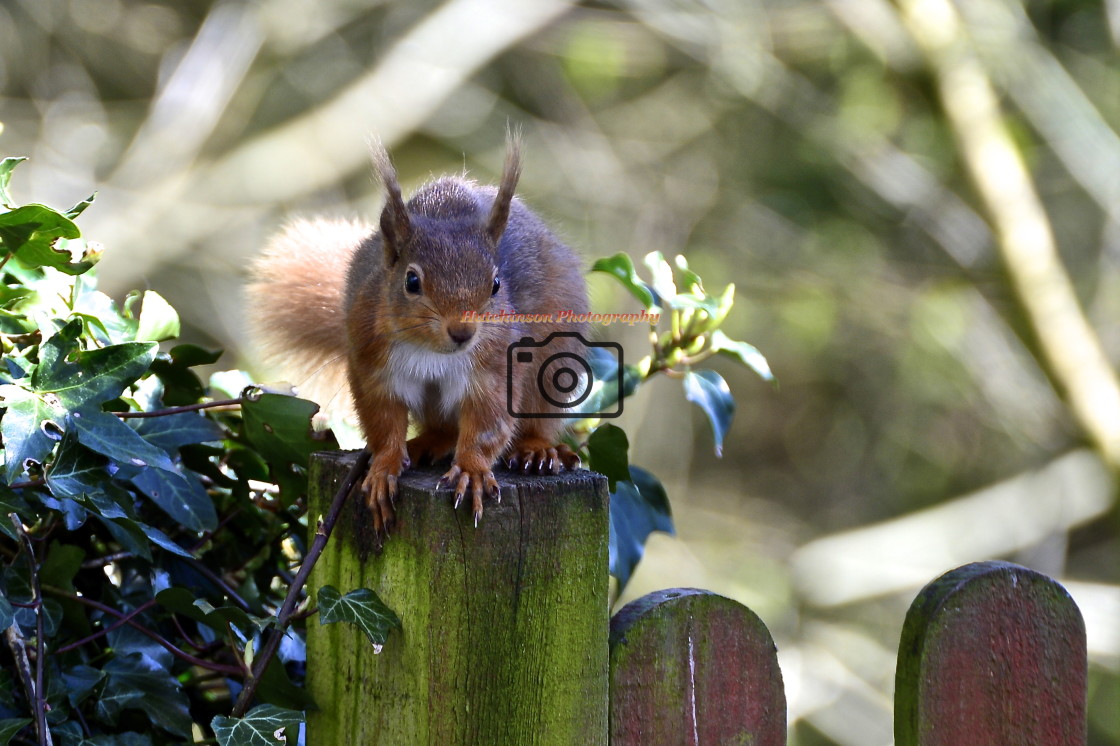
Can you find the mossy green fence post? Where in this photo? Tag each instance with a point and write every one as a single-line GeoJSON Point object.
{"type": "Point", "coordinates": [992, 653]}
{"type": "Point", "coordinates": [504, 636]}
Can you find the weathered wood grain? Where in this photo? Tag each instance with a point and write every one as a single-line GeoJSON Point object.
{"type": "Point", "coordinates": [505, 625]}
{"type": "Point", "coordinates": [691, 667]}
{"type": "Point", "coordinates": [992, 653]}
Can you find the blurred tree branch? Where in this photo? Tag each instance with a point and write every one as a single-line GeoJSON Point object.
{"type": "Point", "coordinates": [1024, 237]}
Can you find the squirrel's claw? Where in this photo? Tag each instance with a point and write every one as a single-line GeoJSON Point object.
{"type": "Point", "coordinates": [380, 489]}
{"type": "Point", "coordinates": [476, 483]}
{"type": "Point", "coordinates": [541, 457]}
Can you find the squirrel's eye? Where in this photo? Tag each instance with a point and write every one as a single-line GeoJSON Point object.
{"type": "Point", "coordinates": [497, 286]}
{"type": "Point", "coordinates": [412, 283]}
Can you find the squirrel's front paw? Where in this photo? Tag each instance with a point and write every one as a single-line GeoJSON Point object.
{"type": "Point", "coordinates": [478, 481]}
{"type": "Point", "coordinates": [539, 455]}
{"type": "Point", "coordinates": [380, 489]}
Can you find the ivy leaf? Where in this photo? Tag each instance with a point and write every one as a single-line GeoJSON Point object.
{"type": "Point", "coordinates": [30, 428]}
{"type": "Point", "coordinates": [29, 234]}
{"type": "Point", "coordinates": [280, 428]}
{"type": "Point", "coordinates": [261, 726]}
{"type": "Point", "coordinates": [180, 495]}
{"type": "Point", "coordinates": [745, 353]}
{"type": "Point", "coordinates": [277, 688]}
{"type": "Point", "coordinates": [621, 267]}
{"type": "Point", "coordinates": [81, 378]}
{"type": "Point", "coordinates": [80, 681]}
{"type": "Point", "coordinates": [118, 739]}
{"type": "Point", "coordinates": [608, 449]}
{"type": "Point", "coordinates": [10, 726]}
{"type": "Point", "coordinates": [128, 534]}
{"type": "Point", "coordinates": [135, 681]}
{"type": "Point", "coordinates": [359, 607]}
{"type": "Point", "coordinates": [6, 613]}
{"type": "Point", "coordinates": [137, 537]}
{"type": "Point", "coordinates": [639, 507]}
{"type": "Point", "coordinates": [173, 431]}
{"type": "Point", "coordinates": [180, 384]}
{"type": "Point", "coordinates": [79, 208]}
{"type": "Point", "coordinates": [6, 167]}
{"type": "Point", "coordinates": [182, 601]}
{"type": "Point", "coordinates": [707, 389]}
{"type": "Point", "coordinates": [158, 320]}
{"type": "Point", "coordinates": [105, 433]}
{"type": "Point", "coordinates": [10, 502]}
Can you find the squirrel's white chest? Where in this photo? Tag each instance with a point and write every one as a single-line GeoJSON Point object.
{"type": "Point", "coordinates": [423, 379]}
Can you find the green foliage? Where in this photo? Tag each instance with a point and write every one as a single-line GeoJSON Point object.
{"type": "Point", "coordinates": [148, 531]}
{"type": "Point", "coordinates": [692, 335]}
{"type": "Point", "coordinates": [361, 608]}
{"type": "Point", "coordinates": [262, 726]}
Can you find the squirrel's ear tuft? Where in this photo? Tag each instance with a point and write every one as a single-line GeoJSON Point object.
{"type": "Point", "coordinates": [511, 172]}
{"type": "Point", "coordinates": [396, 227]}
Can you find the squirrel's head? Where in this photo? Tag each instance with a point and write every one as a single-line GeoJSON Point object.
{"type": "Point", "coordinates": [441, 270]}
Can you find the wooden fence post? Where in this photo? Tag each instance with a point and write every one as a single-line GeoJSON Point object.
{"type": "Point", "coordinates": [504, 627]}
{"type": "Point", "coordinates": [992, 653]}
{"type": "Point", "coordinates": [691, 667]}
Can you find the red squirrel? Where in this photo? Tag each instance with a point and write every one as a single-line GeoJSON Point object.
{"type": "Point", "coordinates": [393, 306]}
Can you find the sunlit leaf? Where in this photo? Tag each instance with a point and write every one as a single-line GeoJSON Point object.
{"type": "Point", "coordinates": [29, 233]}
{"type": "Point", "coordinates": [6, 167]}
{"type": "Point", "coordinates": [709, 391]}
{"type": "Point", "coordinates": [158, 320]}
{"type": "Point", "coordinates": [662, 274]}
{"type": "Point", "coordinates": [31, 426]}
{"type": "Point", "coordinates": [745, 353]}
{"type": "Point", "coordinates": [621, 267]}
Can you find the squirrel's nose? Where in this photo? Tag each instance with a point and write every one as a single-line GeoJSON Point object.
{"type": "Point", "coordinates": [460, 334]}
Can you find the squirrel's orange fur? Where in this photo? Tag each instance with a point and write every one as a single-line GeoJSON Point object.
{"type": "Point", "coordinates": [386, 309]}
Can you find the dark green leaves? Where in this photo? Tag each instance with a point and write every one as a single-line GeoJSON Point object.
{"type": "Point", "coordinates": [639, 506]}
{"type": "Point", "coordinates": [9, 727]}
{"type": "Point", "coordinates": [279, 427]}
{"type": "Point", "coordinates": [264, 725]}
{"type": "Point", "coordinates": [361, 608]}
{"type": "Point", "coordinates": [607, 448]}
{"type": "Point", "coordinates": [135, 681]}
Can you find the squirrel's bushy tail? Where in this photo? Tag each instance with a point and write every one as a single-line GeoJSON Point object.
{"type": "Point", "coordinates": [297, 322]}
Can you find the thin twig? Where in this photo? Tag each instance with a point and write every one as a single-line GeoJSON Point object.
{"type": "Point", "coordinates": [284, 618]}
{"type": "Point", "coordinates": [102, 632]}
{"type": "Point", "coordinates": [170, 647]}
{"type": "Point", "coordinates": [38, 702]}
{"type": "Point", "coordinates": [184, 408]}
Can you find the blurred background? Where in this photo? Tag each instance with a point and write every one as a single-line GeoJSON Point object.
{"type": "Point", "coordinates": [876, 178]}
